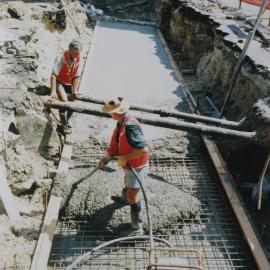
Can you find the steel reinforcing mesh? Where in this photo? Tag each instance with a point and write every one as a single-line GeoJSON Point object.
{"type": "Point", "coordinates": [215, 234]}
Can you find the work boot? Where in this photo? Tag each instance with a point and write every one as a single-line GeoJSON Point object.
{"type": "Point", "coordinates": [136, 226]}
{"type": "Point", "coordinates": [69, 114]}
{"type": "Point", "coordinates": [121, 199]}
{"type": "Point", "coordinates": [67, 129]}
{"type": "Point", "coordinates": [63, 118]}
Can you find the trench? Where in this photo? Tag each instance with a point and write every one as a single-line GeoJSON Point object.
{"type": "Point", "coordinates": [180, 159]}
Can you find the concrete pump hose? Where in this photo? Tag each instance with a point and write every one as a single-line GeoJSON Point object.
{"type": "Point", "coordinates": [106, 244]}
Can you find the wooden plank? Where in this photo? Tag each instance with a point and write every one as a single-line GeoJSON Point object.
{"type": "Point", "coordinates": [43, 248]}
{"type": "Point", "coordinates": [7, 197]}
{"type": "Point", "coordinates": [228, 183]}
{"type": "Point", "coordinates": [45, 239]}
{"type": "Point", "coordinates": [66, 155]}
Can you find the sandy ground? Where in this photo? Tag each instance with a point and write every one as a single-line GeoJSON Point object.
{"type": "Point", "coordinates": [28, 47]}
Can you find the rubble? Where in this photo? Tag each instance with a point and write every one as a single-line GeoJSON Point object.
{"type": "Point", "coordinates": [28, 47]}
{"type": "Point", "coordinates": [57, 18]}
{"type": "Point", "coordinates": [37, 132]}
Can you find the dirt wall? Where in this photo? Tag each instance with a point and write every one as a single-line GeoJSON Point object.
{"type": "Point", "coordinates": [198, 36]}
{"type": "Point", "coordinates": [203, 46]}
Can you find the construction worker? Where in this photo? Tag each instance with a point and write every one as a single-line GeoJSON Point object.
{"type": "Point", "coordinates": [65, 80]}
{"type": "Point", "coordinates": [129, 146]}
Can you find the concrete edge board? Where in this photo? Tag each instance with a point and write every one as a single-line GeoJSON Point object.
{"type": "Point", "coordinates": [227, 181]}
{"type": "Point", "coordinates": [45, 239]}
{"type": "Point", "coordinates": [83, 84]}
{"type": "Point", "coordinates": [40, 259]}
{"type": "Point", "coordinates": [44, 244]}
{"type": "Point", "coordinates": [115, 19]}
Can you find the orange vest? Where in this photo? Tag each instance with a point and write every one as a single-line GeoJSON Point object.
{"type": "Point", "coordinates": [66, 75]}
{"type": "Point", "coordinates": [256, 3]}
{"type": "Point", "coordinates": [124, 148]}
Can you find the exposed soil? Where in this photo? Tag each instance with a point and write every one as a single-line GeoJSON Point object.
{"type": "Point", "coordinates": [126, 9]}
{"type": "Point", "coordinates": [200, 40]}
{"type": "Point", "coordinates": [188, 24]}
{"type": "Point", "coordinates": [30, 145]}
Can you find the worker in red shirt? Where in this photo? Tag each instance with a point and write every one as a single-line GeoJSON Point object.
{"type": "Point", "coordinates": [129, 146]}
{"type": "Point", "coordinates": [65, 80]}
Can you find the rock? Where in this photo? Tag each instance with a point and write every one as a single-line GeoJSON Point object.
{"type": "Point", "coordinates": [19, 45]}
{"type": "Point", "coordinates": [11, 51]}
{"type": "Point", "coordinates": [22, 187]}
{"type": "Point", "coordinates": [44, 183]}
{"type": "Point", "coordinates": [15, 251]}
{"type": "Point", "coordinates": [4, 15]}
{"type": "Point", "coordinates": [15, 12]}
{"type": "Point", "coordinates": [15, 99]}
{"type": "Point", "coordinates": [12, 139]}
{"type": "Point", "coordinates": [30, 209]}
{"type": "Point", "coordinates": [20, 170]}
{"type": "Point", "coordinates": [36, 131]}
{"type": "Point", "coordinates": [37, 201]}
{"type": "Point", "coordinates": [258, 119]}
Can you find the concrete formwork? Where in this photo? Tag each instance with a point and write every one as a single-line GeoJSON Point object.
{"type": "Point", "coordinates": [129, 60]}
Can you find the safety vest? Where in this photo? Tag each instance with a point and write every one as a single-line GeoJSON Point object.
{"type": "Point", "coordinates": [66, 75]}
{"type": "Point", "coordinates": [256, 3]}
{"type": "Point", "coordinates": [123, 147]}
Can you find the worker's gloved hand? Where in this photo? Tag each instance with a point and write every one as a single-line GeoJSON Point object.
{"type": "Point", "coordinates": [121, 161]}
{"type": "Point", "coordinates": [54, 95]}
{"type": "Point", "coordinates": [104, 161]}
{"type": "Point", "coordinates": [74, 96]}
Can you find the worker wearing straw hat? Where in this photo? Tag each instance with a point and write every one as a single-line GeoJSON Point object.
{"type": "Point", "coordinates": [129, 146]}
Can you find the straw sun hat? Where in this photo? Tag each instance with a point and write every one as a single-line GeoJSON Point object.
{"type": "Point", "coordinates": [115, 105]}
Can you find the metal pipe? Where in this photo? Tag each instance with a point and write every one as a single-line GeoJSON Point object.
{"type": "Point", "coordinates": [213, 106]}
{"type": "Point", "coordinates": [241, 58]}
{"type": "Point", "coordinates": [177, 125]}
{"type": "Point", "coordinates": [260, 184]}
{"type": "Point", "coordinates": [106, 244]}
{"type": "Point", "coordinates": [179, 115]}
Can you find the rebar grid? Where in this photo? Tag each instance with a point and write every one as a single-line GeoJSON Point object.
{"type": "Point", "coordinates": [215, 234]}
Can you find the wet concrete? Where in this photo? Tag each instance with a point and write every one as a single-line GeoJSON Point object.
{"type": "Point", "coordinates": [168, 204]}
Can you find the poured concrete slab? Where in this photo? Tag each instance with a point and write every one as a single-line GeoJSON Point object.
{"type": "Point", "coordinates": [128, 60]}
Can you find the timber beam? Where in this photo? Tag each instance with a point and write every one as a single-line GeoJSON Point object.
{"type": "Point", "coordinates": [177, 125]}
{"type": "Point", "coordinates": [179, 115]}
